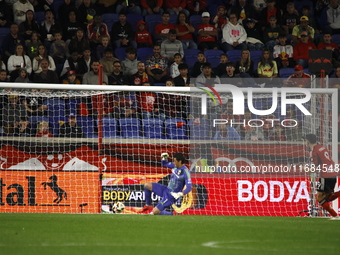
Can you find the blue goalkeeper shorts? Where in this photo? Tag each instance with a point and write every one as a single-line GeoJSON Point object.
{"type": "Point", "coordinates": [162, 191]}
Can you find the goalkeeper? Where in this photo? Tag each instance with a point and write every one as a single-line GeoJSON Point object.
{"type": "Point", "coordinates": [179, 178]}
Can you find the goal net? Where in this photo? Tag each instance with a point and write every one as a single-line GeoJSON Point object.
{"type": "Point", "coordinates": [80, 149]}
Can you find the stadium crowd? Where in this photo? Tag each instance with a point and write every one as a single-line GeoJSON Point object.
{"type": "Point", "coordinates": [167, 43]}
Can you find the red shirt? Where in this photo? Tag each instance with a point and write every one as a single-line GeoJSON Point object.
{"type": "Point", "coordinates": [163, 29]}
{"type": "Point", "coordinates": [321, 158]}
{"type": "Point", "coordinates": [147, 101]}
{"type": "Point", "coordinates": [271, 13]}
{"type": "Point", "coordinates": [303, 82]}
{"type": "Point", "coordinates": [301, 50]}
{"type": "Point", "coordinates": [183, 28]}
{"type": "Point", "coordinates": [206, 27]}
{"type": "Point", "coordinates": [143, 37]}
{"type": "Point", "coordinates": [44, 134]}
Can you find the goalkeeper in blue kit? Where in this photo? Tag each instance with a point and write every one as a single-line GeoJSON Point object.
{"type": "Point", "coordinates": [179, 178]}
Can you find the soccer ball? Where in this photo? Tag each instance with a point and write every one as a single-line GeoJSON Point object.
{"type": "Point", "coordinates": [118, 207]}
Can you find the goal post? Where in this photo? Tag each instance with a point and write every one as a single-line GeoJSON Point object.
{"type": "Point", "coordinates": [252, 165]}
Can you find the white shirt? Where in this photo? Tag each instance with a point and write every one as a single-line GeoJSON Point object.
{"type": "Point", "coordinates": [19, 7]}
{"type": "Point", "coordinates": [15, 61]}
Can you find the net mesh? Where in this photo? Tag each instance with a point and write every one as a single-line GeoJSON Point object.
{"type": "Point", "coordinates": [82, 151]}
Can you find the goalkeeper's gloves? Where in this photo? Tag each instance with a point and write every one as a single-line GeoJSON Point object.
{"type": "Point", "coordinates": [176, 195]}
{"type": "Point", "coordinates": [165, 156]}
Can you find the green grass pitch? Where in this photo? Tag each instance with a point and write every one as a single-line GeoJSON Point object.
{"type": "Point", "coordinates": [185, 235]}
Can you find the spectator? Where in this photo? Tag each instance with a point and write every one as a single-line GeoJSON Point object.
{"type": "Point", "coordinates": [104, 44]}
{"type": "Point", "coordinates": [23, 128]}
{"type": "Point", "coordinates": [245, 66]}
{"type": "Point", "coordinates": [298, 79]}
{"type": "Point", "coordinates": [6, 14]}
{"type": "Point", "coordinates": [2, 64]}
{"type": "Point", "coordinates": [183, 79]}
{"type": "Point", "coordinates": [306, 12]}
{"type": "Point", "coordinates": [27, 27]}
{"type": "Point", "coordinates": [220, 19]}
{"type": "Point", "coordinates": [254, 134]}
{"type": "Point", "coordinates": [59, 49]}
{"type": "Point", "coordinates": [71, 78]}
{"type": "Point", "coordinates": [226, 133]}
{"type": "Point", "coordinates": [140, 77]}
{"type": "Point", "coordinates": [185, 31]}
{"type": "Point", "coordinates": [271, 33]}
{"type": "Point", "coordinates": [290, 18]}
{"type": "Point", "coordinates": [85, 62]}
{"type": "Point", "coordinates": [91, 77]}
{"type": "Point", "coordinates": [10, 41]}
{"type": "Point", "coordinates": [17, 61]}
{"type": "Point", "coordinates": [221, 68]}
{"type": "Point", "coordinates": [129, 65]}
{"type": "Point", "coordinates": [87, 10]}
{"type": "Point", "coordinates": [333, 17]}
{"type": "Point", "coordinates": [175, 6]}
{"type": "Point", "coordinates": [43, 130]}
{"type": "Point", "coordinates": [95, 30]}
{"type": "Point", "coordinates": [283, 53]}
{"type": "Point", "coordinates": [268, 12]}
{"type": "Point", "coordinates": [157, 66]}
{"type": "Point", "coordinates": [174, 71]}
{"type": "Point", "coordinates": [197, 69]}
{"type": "Point", "coordinates": [196, 7]}
{"type": "Point", "coordinates": [162, 29]}
{"type": "Point", "coordinates": [23, 76]}
{"type": "Point", "coordinates": [243, 11]}
{"type": "Point", "coordinates": [79, 43]}
{"type": "Point", "coordinates": [234, 35]}
{"type": "Point", "coordinates": [132, 8]}
{"type": "Point", "coordinates": [46, 76]}
{"type": "Point", "coordinates": [35, 104]}
{"type": "Point", "coordinates": [171, 46]}
{"type": "Point", "coordinates": [12, 113]}
{"type": "Point", "coordinates": [254, 37]}
{"type": "Point", "coordinates": [72, 64]}
{"type": "Point", "coordinates": [328, 45]}
{"type": "Point", "coordinates": [303, 27]}
{"type": "Point", "coordinates": [294, 132]}
{"type": "Point", "coordinates": [267, 68]}
{"type": "Point", "coordinates": [277, 134]}
{"type": "Point", "coordinates": [301, 50]}
{"type": "Point", "coordinates": [152, 7]}
{"type": "Point", "coordinates": [148, 105]}
{"type": "Point", "coordinates": [142, 37]}
{"type": "Point", "coordinates": [108, 61]}
{"type": "Point", "coordinates": [71, 128]}
{"type": "Point", "coordinates": [106, 6]}
{"type": "Point", "coordinates": [42, 54]}
{"type": "Point", "coordinates": [122, 33]}
{"type": "Point", "coordinates": [47, 28]}
{"type": "Point", "coordinates": [19, 10]}
{"type": "Point", "coordinates": [259, 5]}
{"type": "Point", "coordinates": [117, 77]}
{"type": "Point", "coordinates": [207, 34]}
{"type": "Point", "coordinates": [3, 75]}
{"type": "Point", "coordinates": [32, 45]}
{"type": "Point", "coordinates": [230, 73]}
{"type": "Point", "coordinates": [125, 105]}
{"type": "Point", "coordinates": [71, 26]}
{"type": "Point", "coordinates": [207, 76]}
{"type": "Point", "coordinates": [65, 9]}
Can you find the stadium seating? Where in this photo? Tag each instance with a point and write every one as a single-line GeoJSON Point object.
{"type": "Point", "coordinates": [134, 19]}
{"type": "Point", "coordinates": [72, 106]}
{"type": "Point", "coordinates": [336, 39]}
{"type": "Point", "coordinates": [199, 129]}
{"type": "Point", "coordinates": [213, 57]}
{"type": "Point", "coordinates": [55, 123]}
{"type": "Point", "coordinates": [120, 53]}
{"type": "Point", "coordinates": [286, 72]}
{"type": "Point", "coordinates": [255, 56]}
{"type": "Point", "coordinates": [234, 55]}
{"type": "Point", "coordinates": [110, 128]}
{"type": "Point", "coordinates": [153, 128]}
{"type": "Point", "coordinates": [39, 17]}
{"type": "Point", "coordinates": [173, 19]}
{"type": "Point", "coordinates": [56, 107]}
{"type": "Point", "coordinates": [109, 19]}
{"type": "Point", "coordinates": [130, 128]}
{"type": "Point", "coordinates": [55, 7]}
{"type": "Point", "coordinates": [190, 56]}
{"type": "Point", "coordinates": [88, 126]}
{"type": "Point", "coordinates": [195, 20]}
{"type": "Point", "coordinates": [176, 128]}
{"type": "Point", "coordinates": [144, 53]}
{"type": "Point", "coordinates": [3, 32]}
{"type": "Point", "coordinates": [153, 17]}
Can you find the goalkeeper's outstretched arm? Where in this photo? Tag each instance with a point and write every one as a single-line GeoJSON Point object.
{"type": "Point", "coordinates": [165, 161]}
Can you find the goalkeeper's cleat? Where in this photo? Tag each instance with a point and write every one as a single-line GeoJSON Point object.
{"type": "Point", "coordinates": [335, 218]}
{"type": "Point", "coordinates": [145, 210]}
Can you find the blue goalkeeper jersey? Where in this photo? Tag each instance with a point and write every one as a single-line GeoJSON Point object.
{"type": "Point", "coordinates": [179, 178]}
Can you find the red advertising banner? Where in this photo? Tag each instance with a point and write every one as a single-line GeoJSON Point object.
{"type": "Point", "coordinates": [48, 192]}
{"type": "Point", "coordinates": [217, 194]}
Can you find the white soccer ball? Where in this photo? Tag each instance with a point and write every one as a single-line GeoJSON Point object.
{"type": "Point", "coordinates": [118, 207]}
